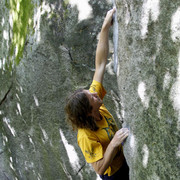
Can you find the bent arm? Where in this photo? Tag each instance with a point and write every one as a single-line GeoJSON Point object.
{"type": "Point", "coordinates": [103, 47]}
{"type": "Point", "coordinates": [101, 166]}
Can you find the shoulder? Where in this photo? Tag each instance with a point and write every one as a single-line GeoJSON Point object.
{"type": "Point", "coordinates": [85, 134]}
{"type": "Point", "coordinates": [86, 138]}
{"type": "Point", "coordinates": [97, 87]}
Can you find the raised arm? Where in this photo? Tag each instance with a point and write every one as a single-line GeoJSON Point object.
{"type": "Point", "coordinates": [103, 47]}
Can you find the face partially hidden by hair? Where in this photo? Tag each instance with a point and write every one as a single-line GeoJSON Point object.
{"type": "Point", "coordinates": [79, 108]}
{"type": "Point", "coordinates": [94, 100]}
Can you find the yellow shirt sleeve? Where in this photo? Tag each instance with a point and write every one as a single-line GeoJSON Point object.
{"type": "Point", "coordinates": [90, 147]}
{"type": "Point", "coordinates": [97, 87]}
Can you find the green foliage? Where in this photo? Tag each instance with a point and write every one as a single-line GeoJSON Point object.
{"type": "Point", "coordinates": [22, 12]}
{"type": "Point", "coordinates": [66, 2]}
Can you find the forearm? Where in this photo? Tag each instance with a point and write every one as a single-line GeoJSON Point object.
{"type": "Point", "coordinates": [111, 151]}
{"type": "Point", "coordinates": [102, 47]}
{"type": "Point", "coordinates": [101, 166]}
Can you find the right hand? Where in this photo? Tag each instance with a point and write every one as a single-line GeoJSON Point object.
{"type": "Point", "coordinates": [108, 19]}
{"type": "Point", "coordinates": [120, 136]}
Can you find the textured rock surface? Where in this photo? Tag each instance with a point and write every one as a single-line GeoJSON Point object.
{"type": "Point", "coordinates": [51, 53]}
{"type": "Point", "coordinates": [148, 82]}
{"type": "Point", "coordinates": [53, 57]}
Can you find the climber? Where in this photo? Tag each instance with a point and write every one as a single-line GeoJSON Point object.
{"type": "Point", "coordinates": [98, 136]}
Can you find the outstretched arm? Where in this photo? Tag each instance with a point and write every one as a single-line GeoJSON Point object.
{"type": "Point", "coordinates": [103, 47]}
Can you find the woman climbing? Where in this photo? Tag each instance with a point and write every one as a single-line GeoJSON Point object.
{"type": "Point", "coordinates": [98, 136]}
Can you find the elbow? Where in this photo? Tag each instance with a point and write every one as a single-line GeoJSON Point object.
{"type": "Point", "coordinates": [99, 167]}
{"type": "Point", "coordinates": [100, 171]}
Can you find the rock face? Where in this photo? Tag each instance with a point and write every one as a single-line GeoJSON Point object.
{"type": "Point", "coordinates": [48, 51]}
{"type": "Point", "coordinates": [148, 83]}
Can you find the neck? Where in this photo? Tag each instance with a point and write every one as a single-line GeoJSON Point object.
{"type": "Point", "coordinates": [97, 115]}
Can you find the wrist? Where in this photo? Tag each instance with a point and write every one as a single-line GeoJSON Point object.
{"type": "Point", "coordinates": [106, 25]}
{"type": "Point", "coordinates": [114, 144]}
{"type": "Point", "coordinates": [104, 31]}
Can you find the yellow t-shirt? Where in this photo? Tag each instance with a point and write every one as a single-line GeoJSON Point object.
{"type": "Point", "coordinates": [93, 144]}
